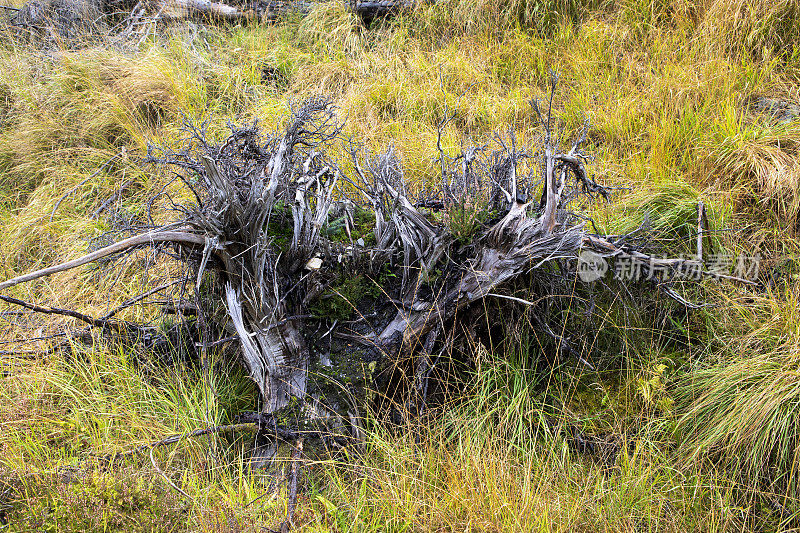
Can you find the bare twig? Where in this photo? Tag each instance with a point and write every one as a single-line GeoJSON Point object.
{"type": "Point", "coordinates": [56, 311]}
{"type": "Point", "coordinates": [82, 183]}
{"type": "Point", "coordinates": [172, 439]}
{"type": "Point", "coordinates": [297, 453]}
{"type": "Point", "coordinates": [139, 298]}
{"type": "Point", "coordinates": [111, 199]}
{"type": "Point", "coordinates": [701, 211]}
{"type": "Point", "coordinates": [166, 478]}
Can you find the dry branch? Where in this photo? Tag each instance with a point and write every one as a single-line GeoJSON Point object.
{"type": "Point", "coordinates": [132, 19]}
{"type": "Point", "coordinates": [178, 237]}
{"type": "Point", "coordinates": [56, 311]}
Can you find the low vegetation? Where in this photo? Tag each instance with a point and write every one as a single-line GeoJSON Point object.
{"type": "Point", "coordinates": [665, 418]}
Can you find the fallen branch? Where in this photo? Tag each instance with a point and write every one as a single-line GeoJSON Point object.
{"type": "Point", "coordinates": [294, 478]}
{"type": "Point", "coordinates": [172, 439]}
{"type": "Point", "coordinates": [56, 311]}
{"type": "Point", "coordinates": [138, 298]}
{"type": "Point", "coordinates": [157, 236]}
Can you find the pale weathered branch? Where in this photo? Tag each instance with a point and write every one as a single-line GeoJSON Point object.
{"type": "Point", "coordinates": [157, 236]}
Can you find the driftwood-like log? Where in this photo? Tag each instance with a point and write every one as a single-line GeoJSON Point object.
{"type": "Point", "coordinates": [283, 232]}
{"type": "Point", "coordinates": [69, 18]}
{"type": "Point", "coordinates": [145, 239]}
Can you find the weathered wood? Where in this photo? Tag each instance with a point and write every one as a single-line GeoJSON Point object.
{"type": "Point", "coordinates": [83, 16]}
{"type": "Point", "coordinates": [264, 225]}
{"type": "Point", "coordinates": [161, 236]}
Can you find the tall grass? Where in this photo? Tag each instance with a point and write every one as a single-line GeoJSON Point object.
{"type": "Point", "coordinates": [494, 17]}
{"type": "Point", "coordinates": [497, 462]}
{"type": "Point", "coordinates": [757, 162]}
{"type": "Point", "coordinates": [743, 409]}
{"type": "Point", "coordinates": [761, 28]}
{"type": "Point", "coordinates": [483, 465]}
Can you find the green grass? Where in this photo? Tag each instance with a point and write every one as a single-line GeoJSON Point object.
{"type": "Point", "coordinates": [482, 465]}
{"type": "Point", "coordinates": [701, 406]}
{"type": "Point", "coordinates": [741, 408]}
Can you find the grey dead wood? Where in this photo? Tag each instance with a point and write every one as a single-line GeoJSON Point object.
{"type": "Point", "coordinates": [132, 20]}
{"type": "Point", "coordinates": [261, 243]}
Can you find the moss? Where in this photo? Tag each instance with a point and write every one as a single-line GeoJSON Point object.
{"type": "Point", "coordinates": [347, 380]}
{"type": "Point", "coordinates": [364, 225]}
{"type": "Point", "coordinates": [597, 399]}
{"type": "Point", "coordinates": [341, 299]}
{"type": "Point", "coordinates": [279, 229]}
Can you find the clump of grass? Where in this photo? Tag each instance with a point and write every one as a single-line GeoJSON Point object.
{"type": "Point", "coordinates": [491, 463]}
{"type": "Point", "coordinates": [508, 395]}
{"type": "Point", "coordinates": [332, 26]}
{"type": "Point", "coordinates": [758, 163]}
{"type": "Point", "coordinates": [646, 17]}
{"type": "Point", "coordinates": [61, 416]}
{"type": "Point", "coordinates": [458, 17]}
{"type": "Point", "coordinates": [668, 208]}
{"type": "Point", "coordinates": [742, 410]}
{"type": "Point", "coordinates": [745, 415]}
{"type": "Point", "coordinates": [466, 216]}
{"type": "Point", "coordinates": [761, 28]}
{"type": "Point", "coordinates": [72, 111]}
{"type": "Point", "coordinates": [444, 484]}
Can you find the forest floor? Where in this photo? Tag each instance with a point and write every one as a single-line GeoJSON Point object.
{"type": "Point", "coordinates": [689, 100]}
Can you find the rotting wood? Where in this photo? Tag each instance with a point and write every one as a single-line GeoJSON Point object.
{"type": "Point", "coordinates": [130, 19]}
{"type": "Point", "coordinates": [268, 206]}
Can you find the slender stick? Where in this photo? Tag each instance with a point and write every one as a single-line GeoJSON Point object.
{"type": "Point", "coordinates": [140, 297]}
{"type": "Point", "coordinates": [166, 477]}
{"type": "Point", "coordinates": [97, 322]}
{"type": "Point", "coordinates": [82, 183]}
{"type": "Point", "coordinates": [297, 453]}
{"type": "Point", "coordinates": [172, 439]}
{"type": "Point", "coordinates": [701, 209]}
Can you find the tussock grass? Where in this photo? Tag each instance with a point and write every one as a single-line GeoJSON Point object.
{"type": "Point", "coordinates": [487, 486]}
{"type": "Point", "coordinates": [330, 26]}
{"type": "Point", "coordinates": [498, 462]}
{"type": "Point", "coordinates": [476, 466]}
{"type": "Point", "coordinates": [757, 163]}
{"type": "Point", "coordinates": [761, 28]}
{"type": "Point", "coordinates": [459, 17]}
{"type": "Point", "coordinates": [743, 408]}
